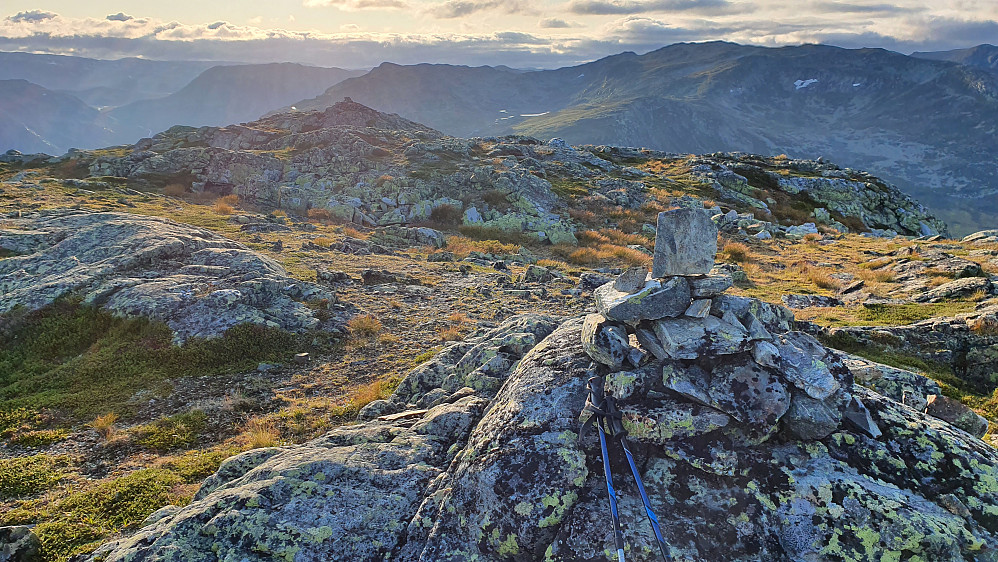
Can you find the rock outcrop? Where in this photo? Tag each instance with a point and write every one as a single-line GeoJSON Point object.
{"type": "Point", "coordinates": [753, 444]}
{"type": "Point", "coordinates": [197, 282]}
{"type": "Point", "coordinates": [965, 344]}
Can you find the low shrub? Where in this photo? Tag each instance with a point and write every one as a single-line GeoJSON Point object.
{"type": "Point", "coordinates": [447, 216]}
{"type": "Point", "coordinates": [26, 476]}
{"type": "Point", "coordinates": [736, 251]}
{"type": "Point", "coordinates": [174, 432]}
{"type": "Point", "coordinates": [365, 326]}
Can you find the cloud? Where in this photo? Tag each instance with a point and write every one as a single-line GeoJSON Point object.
{"type": "Point", "coordinates": [847, 8]}
{"type": "Point", "coordinates": [350, 27]}
{"type": "Point", "coordinates": [354, 5]}
{"type": "Point", "coordinates": [556, 23]}
{"type": "Point", "coordinates": [120, 16]}
{"type": "Point", "coordinates": [461, 8]}
{"type": "Point", "coordinates": [31, 16]}
{"type": "Point", "coordinates": [609, 7]}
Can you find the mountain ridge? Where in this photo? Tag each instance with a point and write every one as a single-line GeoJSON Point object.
{"type": "Point", "coordinates": [854, 106]}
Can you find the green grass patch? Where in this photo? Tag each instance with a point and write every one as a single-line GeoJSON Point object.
{"type": "Point", "coordinates": [80, 522]}
{"type": "Point", "coordinates": [26, 476]}
{"type": "Point", "coordinates": [40, 437]}
{"type": "Point", "coordinates": [175, 432]}
{"type": "Point", "coordinates": [569, 189]}
{"type": "Point", "coordinates": [902, 314]}
{"type": "Point", "coordinates": [84, 360]}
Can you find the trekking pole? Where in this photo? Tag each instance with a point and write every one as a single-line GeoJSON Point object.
{"type": "Point", "coordinates": [594, 406]}
{"type": "Point", "coordinates": [613, 420]}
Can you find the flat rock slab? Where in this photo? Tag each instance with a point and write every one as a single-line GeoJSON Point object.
{"type": "Point", "coordinates": [685, 244]}
{"type": "Point", "coordinates": [657, 299]}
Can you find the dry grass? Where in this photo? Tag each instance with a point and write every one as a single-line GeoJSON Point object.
{"type": "Point", "coordinates": [606, 254]}
{"type": "Point", "coordinates": [260, 433]}
{"type": "Point", "coordinates": [323, 241]}
{"type": "Point", "coordinates": [353, 233]}
{"type": "Point", "coordinates": [937, 280]}
{"type": "Point", "coordinates": [279, 213]}
{"type": "Point", "coordinates": [319, 215]}
{"type": "Point", "coordinates": [462, 246]}
{"type": "Point", "coordinates": [811, 239]}
{"type": "Point", "coordinates": [175, 190]}
{"type": "Point", "coordinates": [365, 327]}
{"type": "Point", "coordinates": [552, 264]}
{"type": "Point", "coordinates": [226, 205]}
{"type": "Point", "coordinates": [737, 252]}
{"type": "Point", "coordinates": [876, 275]}
{"type": "Point", "coordinates": [591, 238]}
{"type": "Point", "coordinates": [387, 339]}
{"type": "Point", "coordinates": [450, 333]}
{"type": "Point", "coordinates": [369, 393]}
{"type": "Point", "coordinates": [105, 425]}
{"type": "Point", "coordinates": [822, 278]}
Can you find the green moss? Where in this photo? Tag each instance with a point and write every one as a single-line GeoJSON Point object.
{"type": "Point", "coordinates": [85, 360]}
{"type": "Point", "coordinates": [901, 314]}
{"type": "Point", "coordinates": [25, 476]}
{"type": "Point", "coordinates": [39, 438]}
{"type": "Point", "coordinates": [78, 523]}
{"type": "Point", "coordinates": [174, 432]}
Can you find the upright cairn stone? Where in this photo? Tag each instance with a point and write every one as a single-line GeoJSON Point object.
{"type": "Point", "coordinates": [687, 360]}
{"type": "Point", "coordinates": [685, 244]}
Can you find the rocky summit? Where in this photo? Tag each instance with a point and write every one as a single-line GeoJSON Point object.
{"type": "Point", "coordinates": [753, 440]}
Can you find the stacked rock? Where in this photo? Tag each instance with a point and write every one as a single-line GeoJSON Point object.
{"type": "Point", "coordinates": [703, 373]}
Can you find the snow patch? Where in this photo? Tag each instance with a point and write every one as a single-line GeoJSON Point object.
{"type": "Point", "coordinates": [798, 84]}
{"type": "Point", "coordinates": [857, 84]}
{"type": "Point", "coordinates": [534, 114]}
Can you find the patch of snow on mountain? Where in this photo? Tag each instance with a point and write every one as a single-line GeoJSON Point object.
{"type": "Point", "coordinates": [798, 84]}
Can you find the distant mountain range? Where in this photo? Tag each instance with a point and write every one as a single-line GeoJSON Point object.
{"type": "Point", "coordinates": [53, 103]}
{"type": "Point", "coordinates": [931, 126]}
{"type": "Point", "coordinates": [223, 95]}
{"type": "Point", "coordinates": [983, 56]}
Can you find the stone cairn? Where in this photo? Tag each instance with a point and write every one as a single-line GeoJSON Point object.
{"type": "Point", "coordinates": [702, 373]}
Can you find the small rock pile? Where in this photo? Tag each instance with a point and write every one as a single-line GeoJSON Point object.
{"type": "Point", "coordinates": [686, 360]}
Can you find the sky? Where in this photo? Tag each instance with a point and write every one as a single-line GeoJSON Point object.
{"type": "Point", "coordinates": [517, 33]}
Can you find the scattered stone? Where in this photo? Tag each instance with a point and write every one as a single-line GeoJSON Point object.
{"type": "Point", "coordinates": [440, 257]}
{"type": "Point", "coordinates": [956, 289]}
{"type": "Point", "coordinates": [732, 270]}
{"type": "Point", "coordinates": [681, 338]}
{"type": "Point", "coordinates": [648, 340]}
{"type": "Point", "coordinates": [724, 336]}
{"type": "Point", "coordinates": [801, 230]}
{"type": "Point", "coordinates": [709, 286]}
{"type": "Point", "coordinates": [810, 301]}
{"type": "Point", "coordinates": [592, 281]}
{"type": "Point", "coordinates": [332, 277]}
{"type": "Point", "coordinates": [537, 274]}
{"type": "Point", "coordinates": [766, 354]}
{"type": "Point", "coordinates": [382, 276]}
{"type": "Point", "coordinates": [631, 280]}
{"type": "Point", "coordinates": [686, 243]}
{"type": "Point", "coordinates": [956, 413]}
{"type": "Point", "coordinates": [657, 299]}
{"type": "Point", "coordinates": [605, 342]}
{"type": "Point", "coordinates": [906, 387]}
{"type": "Point", "coordinates": [19, 544]}
{"type": "Point", "coordinates": [301, 358]}
{"type": "Point", "coordinates": [852, 287]}
{"type": "Point", "coordinates": [700, 308]}
{"type": "Point", "coordinates": [801, 361]}
{"type": "Point", "coordinates": [756, 329]}
{"type": "Point", "coordinates": [858, 416]}
{"type": "Point", "coordinates": [809, 419]}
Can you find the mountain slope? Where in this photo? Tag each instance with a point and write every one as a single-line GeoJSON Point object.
{"type": "Point", "coordinates": [35, 119]}
{"type": "Point", "coordinates": [927, 125]}
{"type": "Point", "coordinates": [983, 56]}
{"type": "Point", "coordinates": [101, 83]}
{"type": "Point", "coordinates": [223, 95]}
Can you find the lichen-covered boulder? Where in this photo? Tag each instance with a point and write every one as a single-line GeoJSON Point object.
{"type": "Point", "coordinates": [197, 282]}
{"type": "Point", "coordinates": [506, 477]}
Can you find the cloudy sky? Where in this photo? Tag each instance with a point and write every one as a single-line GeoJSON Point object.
{"type": "Point", "coordinates": [520, 33]}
